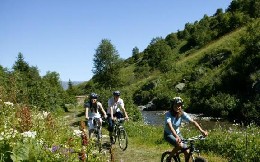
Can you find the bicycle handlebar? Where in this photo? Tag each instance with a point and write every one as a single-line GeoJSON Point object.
{"type": "Point", "coordinates": [120, 119]}
{"type": "Point", "coordinates": [199, 137]}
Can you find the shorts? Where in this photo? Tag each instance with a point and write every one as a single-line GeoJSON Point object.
{"type": "Point", "coordinates": [91, 123]}
{"type": "Point", "coordinates": [171, 139]}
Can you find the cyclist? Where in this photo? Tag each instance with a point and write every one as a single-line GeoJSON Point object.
{"type": "Point", "coordinates": [92, 111]}
{"type": "Point", "coordinates": [116, 109]}
{"type": "Point", "coordinates": [173, 119]}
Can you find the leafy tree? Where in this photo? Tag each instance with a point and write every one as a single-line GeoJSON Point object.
{"type": "Point", "coordinates": [158, 55]}
{"type": "Point", "coordinates": [172, 40]}
{"type": "Point", "coordinates": [106, 64]}
{"type": "Point", "coordinates": [249, 7]}
{"type": "Point", "coordinates": [53, 93]}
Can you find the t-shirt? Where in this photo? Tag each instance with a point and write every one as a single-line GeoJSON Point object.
{"type": "Point", "coordinates": [176, 122]}
{"type": "Point", "coordinates": [93, 111]}
{"type": "Point", "coordinates": [116, 106]}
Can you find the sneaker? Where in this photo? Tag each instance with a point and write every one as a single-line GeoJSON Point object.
{"type": "Point", "coordinates": [112, 140]}
{"type": "Point", "coordinates": [168, 159]}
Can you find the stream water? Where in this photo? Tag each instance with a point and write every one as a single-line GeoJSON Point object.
{"type": "Point", "coordinates": [157, 118]}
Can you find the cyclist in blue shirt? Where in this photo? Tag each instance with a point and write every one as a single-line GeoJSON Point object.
{"type": "Point", "coordinates": [173, 119]}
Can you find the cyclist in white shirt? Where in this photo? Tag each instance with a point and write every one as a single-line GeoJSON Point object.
{"type": "Point", "coordinates": [116, 109]}
{"type": "Point", "coordinates": [92, 111]}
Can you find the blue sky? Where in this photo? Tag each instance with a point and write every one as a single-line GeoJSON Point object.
{"type": "Point", "coordinates": [62, 35]}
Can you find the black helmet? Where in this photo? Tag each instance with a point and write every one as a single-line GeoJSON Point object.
{"type": "Point", "coordinates": [93, 96]}
{"type": "Point", "coordinates": [116, 93]}
{"type": "Point", "coordinates": [177, 100]}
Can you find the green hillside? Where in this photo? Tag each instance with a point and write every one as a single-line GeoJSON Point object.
{"type": "Point", "coordinates": [213, 64]}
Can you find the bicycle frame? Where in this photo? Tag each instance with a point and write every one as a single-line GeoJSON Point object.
{"type": "Point", "coordinates": [191, 148]}
{"type": "Point", "coordinates": [97, 132]}
{"type": "Point", "coordinates": [119, 133]}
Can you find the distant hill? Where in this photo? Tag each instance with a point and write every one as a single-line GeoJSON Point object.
{"type": "Point", "coordinates": [65, 84]}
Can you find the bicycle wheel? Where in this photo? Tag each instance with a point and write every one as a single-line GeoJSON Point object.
{"type": "Point", "coordinates": [99, 141]}
{"type": "Point", "coordinates": [200, 159]}
{"type": "Point", "coordinates": [122, 139]}
{"type": "Point", "coordinates": [165, 157]}
{"type": "Point", "coordinates": [114, 136]}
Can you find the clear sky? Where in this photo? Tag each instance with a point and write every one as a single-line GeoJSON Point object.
{"type": "Point", "coordinates": [62, 35]}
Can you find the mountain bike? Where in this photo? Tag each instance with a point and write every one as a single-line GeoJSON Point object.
{"type": "Point", "coordinates": [192, 150]}
{"type": "Point", "coordinates": [97, 133]}
{"type": "Point", "coordinates": [119, 133]}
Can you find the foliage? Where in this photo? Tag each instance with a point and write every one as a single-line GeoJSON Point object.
{"type": "Point", "coordinates": [47, 137]}
{"type": "Point", "coordinates": [24, 85]}
{"type": "Point", "coordinates": [106, 64]}
{"type": "Point", "coordinates": [158, 55]}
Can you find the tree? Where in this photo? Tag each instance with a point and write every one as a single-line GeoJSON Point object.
{"type": "Point", "coordinates": [158, 55]}
{"type": "Point", "coordinates": [106, 64]}
{"type": "Point", "coordinates": [135, 53]}
{"type": "Point", "coordinates": [20, 64]}
{"type": "Point", "coordinates": [172, 40]}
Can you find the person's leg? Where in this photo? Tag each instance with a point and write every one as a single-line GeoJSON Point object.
{"type": "Point", "coordinates": [100, 126]}
{"type": "Point", "coordinates": [110, 127]}
{"type": "Point", "coordinates": [172, 140]}
{"type": "Point", "coordinates": [90, 132]}
{"type": "Point", "coordinates": [90, 128]}
{"type": "Point", "coordinates": [187, 155]}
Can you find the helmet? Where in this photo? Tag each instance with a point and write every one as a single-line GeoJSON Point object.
{"type": "Point", "coordinates": [93, 96]}
{"type": "Point", "coordinates": [177, 100]}
{"type": "Point", "coordinates": [116, 93]}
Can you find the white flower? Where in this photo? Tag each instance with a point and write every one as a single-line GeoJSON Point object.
{"type": "Point", "coordinates": [77, 133]}
{"type": "Point", "coordinates": [9, 104]}
{"type": "Point", "coordinates": [8, 133]}
{"type": "Point", "coordinates": [29, 134]}
{"type": "Point", "coordinates": [40, 141]}
{"type": "Point", "coordinates": [45, 114]}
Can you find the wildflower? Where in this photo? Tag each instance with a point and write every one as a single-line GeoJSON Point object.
{"type": "Point", "coordinates": [84, 139]}
{"type": "Point", "coordinates": [77, 133]}
{"type": "Point", "coordinates": [55, 148]}
{"type": "Point", "coordinates": [29, 134]}
{"type": "Point", "coordinates": [45, 114]}
{"type": "Point", "coordinates": [82, 155]}
{"type": "Point", "coordinates": [8, 133]}
{"type": "Point", "coordinates": [9, 104]}
{"type": "Point", "coordinates": [40, 141]}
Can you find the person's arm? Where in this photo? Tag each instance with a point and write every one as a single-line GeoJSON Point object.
{"type": "Point", "coordinates": [103, 111]}
{"type": "Point", "coordinates": [205, 133]}
{"type": "Point", "coordinates": [111, 112]}
{"type": "Point", "coordinates": [178, 139]}
{"type": "Point", "coordinates": [122, 105]}
{"type": "Point", "coordinates": [125, 113]}
{"type": "Point", "coordinates": [86, 113]}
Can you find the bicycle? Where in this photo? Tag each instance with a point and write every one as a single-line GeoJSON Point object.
{"type": "Point", "coordinates": [97, 132]}
{"type": "Point", "coordinates": [119, 133]}
{"type": "Point", "coordinates": [191, 147]}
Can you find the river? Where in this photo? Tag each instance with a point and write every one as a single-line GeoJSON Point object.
{"type": "Point", "coordinates": [157, 118]}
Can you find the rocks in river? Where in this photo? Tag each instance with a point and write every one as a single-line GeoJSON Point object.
{"type": "Point", "coordinates": [148, 107]}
